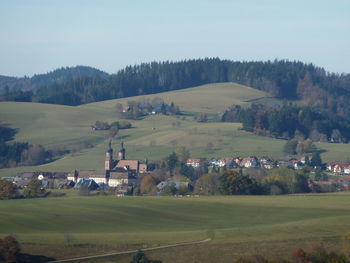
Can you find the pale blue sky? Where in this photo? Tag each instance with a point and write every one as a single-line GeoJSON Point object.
{"type": "Point", "coordinates": [38, 36]}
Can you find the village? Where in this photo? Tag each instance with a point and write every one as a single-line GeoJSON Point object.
{"type": "Point", "coordinates": [121, 175]}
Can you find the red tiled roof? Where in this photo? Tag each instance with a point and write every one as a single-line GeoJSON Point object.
{"type": "Point", "coordinates": [194, 160]}
{"type": "Point", "coordinates": [133, 164]}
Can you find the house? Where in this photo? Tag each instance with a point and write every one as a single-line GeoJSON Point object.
{"type": "Point", "coordinates": [98, 176]}
{"type": "Point", "coordinates": [338, 168]}
{"type": "Point", "coordinates": [286, 162]}
{"type": "Point", "coordinates": [21, 180]}
{"type": "Point", "coordinates": [50, 175]}
{"type": "Point", "coordinates": [269, 165]}
{"type": "Point", "coordinates": [304, 159]}
{"type": "Point", "coordinates": [346, 169]}
{"type": "Point", "coordinates": [266, 162]}
{"type": "Point", "coordinates": [228, 162]}
{"type": "Point", "coordinates": [237, 160]}
{"type": "Point", "coordinates": [330, 167]}
{"type": "Point", "coordinates": [217, 162]}
{"type": "Point", "coordinates": [248, 162]}
{"type": "Point", "coordinates": [113, 178]}
{"type": "Point", "coordinates": [297, 164]}
{"type": "Point", "coordinates": [195, 162]}
{"type": "Point", "coordinates": [88, 183]}
{"type": "Point", "coordinates": [126, 109]}
{"type": "Point", "coordinates": [121, 178]}
{"type": "Point", "coordinates": [265, 159]}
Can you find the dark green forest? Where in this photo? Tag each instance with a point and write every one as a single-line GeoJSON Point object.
{"type": "Point", "coordinates": [58, 76]}
{"type": "Point", "coordinates": [290, 80]}
{"type": "Point", "coordinates": [290, 120]}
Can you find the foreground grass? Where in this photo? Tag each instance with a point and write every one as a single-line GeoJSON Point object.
{"type": "Point", "coordinates": [77, 226]}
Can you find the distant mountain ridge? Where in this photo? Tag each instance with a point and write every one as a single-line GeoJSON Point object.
{"type": "Point", "coordinates": [291, 80]}
{"type": "Point", "coordinates": [57, 76]}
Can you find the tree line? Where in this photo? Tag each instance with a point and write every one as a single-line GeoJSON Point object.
{"type": "Point", "coordinates": [290, 121]}
{"type": "Point", "coordinates": [281, 78]}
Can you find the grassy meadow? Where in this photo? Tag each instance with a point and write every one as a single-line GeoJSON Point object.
{"type": "Point", "coordinates": [75, 226]}
{"type": "Point", "coordinates": [153, 137]}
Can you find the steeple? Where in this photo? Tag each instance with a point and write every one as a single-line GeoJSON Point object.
{"type": "Point", "coordinates": [109, 157]}
{"type": "Point", "coordinates": [110, 150]}
{"type": "Point", "coordinates": [121, 153]}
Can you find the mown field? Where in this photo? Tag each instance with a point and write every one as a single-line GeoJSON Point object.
{"type": "Point", "coordinates": [72, 226]}
{"type": "Point", "coordinates": [153, 137]}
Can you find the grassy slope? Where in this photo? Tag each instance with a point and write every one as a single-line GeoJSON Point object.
{"type": "Point", "coordinates": [210, 98]}
{"type": "Point", "coordinates": [153, 137]}
{"type": "Point", "coordinates": [120, 223]}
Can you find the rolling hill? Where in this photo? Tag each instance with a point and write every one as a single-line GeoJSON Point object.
{"type": "Point", "coordinates": [58, 76]}
{"type": "Point", "coordinates": [76, 226]}
{"type": "Point", "coordinates": [153, 137]}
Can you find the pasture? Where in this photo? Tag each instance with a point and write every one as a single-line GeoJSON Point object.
{"type": "Point", "coordinates": [74, 226]}
{"type": "Point", "coordinates": [153, 137]}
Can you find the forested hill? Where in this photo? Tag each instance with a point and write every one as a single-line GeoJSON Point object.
{"type": "Point", "coordinates": [58, 76]}
{"type": "Point", "coordinates": [284, 79]}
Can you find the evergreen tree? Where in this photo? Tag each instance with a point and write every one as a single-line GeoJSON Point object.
{"type": "Point", "coordinates": [316, 159]}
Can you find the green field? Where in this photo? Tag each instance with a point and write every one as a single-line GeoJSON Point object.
{"type": "Point", "coordinates": [76, 226]}
{"type": "Point", "coordinates": [153, 137]}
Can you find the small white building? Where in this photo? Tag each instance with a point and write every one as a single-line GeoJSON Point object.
{"type": "Point", "coordinates": [194, 162]}
{"type": "Point", "coordinates": [346, 169]}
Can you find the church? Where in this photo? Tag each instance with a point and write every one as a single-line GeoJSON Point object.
{"type": "Point", "coordinates": [119, 172]}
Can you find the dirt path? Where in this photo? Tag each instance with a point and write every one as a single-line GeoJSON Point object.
{"type": "Point", "coordinates": [133, 251]}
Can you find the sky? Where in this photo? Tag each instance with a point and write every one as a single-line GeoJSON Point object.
{"type": "Point", "coordinates": [38, 36]}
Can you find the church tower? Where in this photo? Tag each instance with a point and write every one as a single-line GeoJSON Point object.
{"type": "Point", "coordinates": [109, 157]}
{"type": "Point", "coordinates": [121, 153]}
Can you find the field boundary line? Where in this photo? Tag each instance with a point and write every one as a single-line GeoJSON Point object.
{"type": "Point", "coordinates": [132, 251]}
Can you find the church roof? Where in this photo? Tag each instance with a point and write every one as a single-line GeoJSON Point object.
{"type": "Point", "coordinates": [133, 164]}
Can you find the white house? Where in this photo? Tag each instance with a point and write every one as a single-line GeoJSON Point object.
{"type": "Point", "coordinates": [346, 169]}
{"type": "Point", "coordinates": [251, 161]}
{"type": "Point", "coordinates": [194, 162]}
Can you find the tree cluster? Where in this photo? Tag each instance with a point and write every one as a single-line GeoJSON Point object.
{"type": "Point", "coordinates": [34, 189]}
{"type": "Point", "coordinates": [9, 249]}
{"type": "Point", "coordinates": [101, 125]}
{"type": "Point", "coordinates": [289, 121]}
{"type": "Point", "coordinates": [137, 109]}
{"type": "Point", "coordinates": [7, 190]}
{"type": "Point", "coordinates": [20, 153]}
{"type": "Point", "coordinates": [231, 182]}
